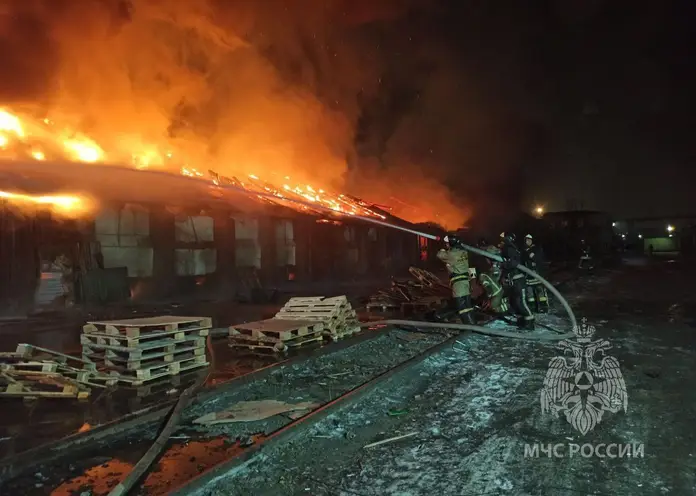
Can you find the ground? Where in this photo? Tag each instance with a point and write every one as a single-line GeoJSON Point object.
{"type": "Point", "coordinates": [473, 407]}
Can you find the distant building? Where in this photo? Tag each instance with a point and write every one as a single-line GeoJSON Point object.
{"type": "Point", "coordinates": [567, 230]}
{"type": "Point", "coordinates": [659, 235]}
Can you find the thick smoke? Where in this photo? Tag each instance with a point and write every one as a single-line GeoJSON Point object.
{"type": "Point", "coordinates": [273, 87]}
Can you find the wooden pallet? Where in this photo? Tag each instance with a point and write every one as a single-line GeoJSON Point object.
{"type": "Point", "coordinates": [343, 332]}
{"type": "Point", "coordinates": [144, 341]}
{"type": "Point", "coordinates": [91, 378]}
{"type": "Point", "coordinates": [275, 330]}
{"type": "Point", "coordinates": [278, 346]}
{"type": "Point", "coordinates": [149, 362]}
{"type": "Point", "coordinates": [140, 376]}
{"type": "Point", "coordinates": [145, 350]}
{"type": "Point", "coordinates": [317, 308]}
{"type": "Point", "coordinates": [165, 384]}
{"type": "Point", "coordinates": [36, 384]}
{"type": "Point", "coordinates": [134, 328]}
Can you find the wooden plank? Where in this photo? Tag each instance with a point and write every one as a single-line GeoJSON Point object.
{"type": "Point", "coordinates": [134, 328]}
{"type": "Point", "coordinates": [141, 341]}
{"type": "Point", "coordinates": [29, 350]}
{"type": "Point", "coordinates": [88, 377]}
{"type": "Point", "coordinates": [43, 366]}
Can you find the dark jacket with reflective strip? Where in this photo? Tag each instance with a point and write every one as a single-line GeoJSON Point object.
{"type": "Point", "coordinates": [513, 257]}
{"type": "Point", "coordinates": [457, 261]}
{"type": "Point", "coordinates": [533, 259]}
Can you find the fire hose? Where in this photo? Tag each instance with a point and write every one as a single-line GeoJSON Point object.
{"type": "Point", "coordinates": [469, 248]}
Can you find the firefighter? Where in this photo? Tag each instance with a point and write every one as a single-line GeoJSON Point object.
{"type": "Point", "coordinates": [457, 260]}
{"type": "Point", "coordinates": [491, 281]}
{"type": "Point", "coordinates": [516, 282]}
{"type": "Point", "coordinates": [537, 297]}
{"type": "Point", "coordinates": [585, 257]}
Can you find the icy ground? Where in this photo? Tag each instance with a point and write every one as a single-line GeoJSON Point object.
{"type": "Point", "coordinates": [475, 407]}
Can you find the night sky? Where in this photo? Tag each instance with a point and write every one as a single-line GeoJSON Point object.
{"type": "Point", "coordinates": [580, 104]}
{"type": "Point", "coordinates": [493, 106]}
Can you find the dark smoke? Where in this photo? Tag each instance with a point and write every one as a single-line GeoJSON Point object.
{"type": "Point", "coordinates": [411, 103]}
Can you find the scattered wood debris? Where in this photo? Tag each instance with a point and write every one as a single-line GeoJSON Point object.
{"type": "Point", "coordinates": [424, 291]}
{"type": "Point", "coordinates": [390, 440]}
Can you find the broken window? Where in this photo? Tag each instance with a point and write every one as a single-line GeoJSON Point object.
{"type": "Point", "coordinates": [285, 243]}
{"type": "Point", "coordinates": [247, 248]}
{"type": "Point", "coordinates": [195, 262]}
{"type": "Point", "coordinates": [124, 236]}
{"type": "Point", "coordinates": [194, 229]}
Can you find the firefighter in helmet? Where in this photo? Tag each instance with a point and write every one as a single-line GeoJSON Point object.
{"type": "Point", "coordinates": [515, 281]}
{"type": "Point", "coordinates": [457, 260]}
{"type": "Point", "coordinates": [491, 280]}
{"type": "Point", "coordinates": [537, 297]}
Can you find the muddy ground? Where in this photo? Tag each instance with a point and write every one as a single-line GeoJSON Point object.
{"type": "Point", "coordinates": [474, 410]}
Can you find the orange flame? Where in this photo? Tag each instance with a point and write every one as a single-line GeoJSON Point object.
{"type": "Point", "coordinates": [17, 133]}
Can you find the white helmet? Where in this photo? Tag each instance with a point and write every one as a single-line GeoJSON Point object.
{"type": "Point", "coordinates": [528, 236]}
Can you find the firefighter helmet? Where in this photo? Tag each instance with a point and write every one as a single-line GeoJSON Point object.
{"type": "Point", "coordinates": [453, 240]}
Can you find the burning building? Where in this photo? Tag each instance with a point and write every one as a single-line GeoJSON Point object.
{"type": "Point", "coordinates": [121, 232]}
{"type": "Point", "coordinates": [157, 226]}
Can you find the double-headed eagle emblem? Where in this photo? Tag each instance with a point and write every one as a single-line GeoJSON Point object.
{"type": "Point", "coordinates": [581, 387]}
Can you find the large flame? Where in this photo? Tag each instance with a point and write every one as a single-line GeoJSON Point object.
{"type": "Point", "coordinates": [23, 136]}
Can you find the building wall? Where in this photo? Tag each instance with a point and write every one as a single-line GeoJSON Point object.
{"type": "Point", "coordinates": [167, 252]}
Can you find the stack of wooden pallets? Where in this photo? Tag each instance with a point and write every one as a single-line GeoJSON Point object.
{"type": "Point", "coordinates": [35, 372]}
{"type": "Point", "coordinates": [275, 335]}
{"type": "Point", "coordinates": [135, 351]}
{"type": "Point", "coordinates": [336, 314]}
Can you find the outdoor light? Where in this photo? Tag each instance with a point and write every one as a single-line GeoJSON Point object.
{"type": "Point", "coordinates": [539, 210]}
{"type": "Point", "coordinates": [613, 224]}
{"type": "Point", "coordinates": [640, 236]}
{"type": "Point", "coordinates": [623, 236]}
{"type": "Point", "coordinates": [670, 228]}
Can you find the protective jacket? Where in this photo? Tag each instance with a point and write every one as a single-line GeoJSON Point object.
{"type": "Point", "coordinates": [533, 259]}
{"type": "Point", "coordinates": [494, 290]}
{"type": "Point", "coordinates": [513, 258]}
{"type": "Point", "coordinates": [457, 261]}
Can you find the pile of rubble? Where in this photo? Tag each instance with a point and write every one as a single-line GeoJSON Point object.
{"type": "Point", "coordinates": [34, 372]}
{"type": "Point", "coordinates": [424, 291]}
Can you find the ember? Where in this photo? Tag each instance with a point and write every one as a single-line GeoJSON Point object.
{"type": "Point", "coordinates": [26, 137]}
